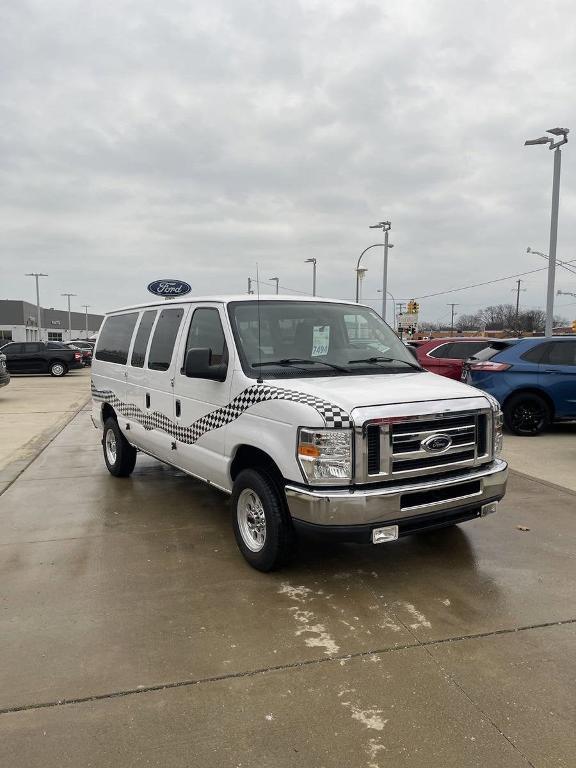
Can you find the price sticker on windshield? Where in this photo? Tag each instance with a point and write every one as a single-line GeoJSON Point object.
{"type": "Point", "coordinates": [320, 340]}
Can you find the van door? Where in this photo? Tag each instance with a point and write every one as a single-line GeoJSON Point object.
{"type": "Point", "coordinates": [195, 397]}
{"type": "Point", "coordinates": [158, 385]}
{"type": "Point", "coordinates": [137, 379]}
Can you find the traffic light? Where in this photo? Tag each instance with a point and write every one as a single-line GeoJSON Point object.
{"type": "Point", "coordinates": [413, 307]}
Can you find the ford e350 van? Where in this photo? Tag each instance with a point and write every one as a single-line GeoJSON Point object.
{"type": "Point", "coordinates": [311, 414]}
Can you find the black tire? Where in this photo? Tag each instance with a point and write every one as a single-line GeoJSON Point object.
{"type": "Point", "coordinates": [278, 542]}
{"type": "Point", "coordinates": [121, 459]}
{"type": "Point", "coordinates": [527, 414]}
{"type": "Point", "coordinates": [57, 368]}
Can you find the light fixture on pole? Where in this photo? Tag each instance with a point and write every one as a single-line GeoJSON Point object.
{"type": "Point", "coordinates": [69, 316]}
{"type": "Point", "coordinates": [567, 265]}
{"type": "Point", "coordinates": [565, 293]}
{"type": "Point", "coordinates": [313, 262]}
{"type": "Point", "coordinates": [385, 227]}
{"type": "Point", "coordinates": [374, 245]}
{"type": "Point", "coordinates": [277, 281]}
{"type": "Point", "coordinates": [360, 272]}
{"type": "Point", "coordinates": [38, 318]}
{"type": "Point", "coordinates": [86, 311]}
{"type": "Point", "coordinates": [555, 145]}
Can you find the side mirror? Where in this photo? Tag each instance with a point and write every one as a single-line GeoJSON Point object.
{"type": "Point", "coordinates": [198, 365]}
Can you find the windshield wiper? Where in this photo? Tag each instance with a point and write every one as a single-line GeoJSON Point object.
{"type": "Point", "coordinates": [295, 360]}
{"type": "Point", "coordinates": [386, 360]}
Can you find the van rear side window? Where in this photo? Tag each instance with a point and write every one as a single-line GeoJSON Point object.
{"type": "Point", "coordinates": [114, 339]}
{"type": "Point", "coordinates": [164, 338]}
{"type": "Point", "coordinates": [142, 336]}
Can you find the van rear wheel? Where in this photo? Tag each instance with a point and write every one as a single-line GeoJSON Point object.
{"type": "Point", "coordinates": [119, 455]}
{"type": "Point", "coordinates": [262, 525]}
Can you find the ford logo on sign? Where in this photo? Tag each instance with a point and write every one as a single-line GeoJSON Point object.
{"type": "Point", "coordinates": [436, 443]}
{"type": "Point", "coordinates": [169, 288]}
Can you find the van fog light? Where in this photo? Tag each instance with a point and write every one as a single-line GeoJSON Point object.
{"type": "Point", "coordinates": [383, 535]}
{"type": "Point", "coordinates": [488, 509]}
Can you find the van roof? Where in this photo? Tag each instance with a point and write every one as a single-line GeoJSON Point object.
{"type": "Point", "coordinates": [225, 299]}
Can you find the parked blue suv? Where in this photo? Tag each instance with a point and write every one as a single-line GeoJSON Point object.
{"type": "Point", "coordinates": [533, 379]}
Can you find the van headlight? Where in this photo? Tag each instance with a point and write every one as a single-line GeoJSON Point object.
{"type": "Point", "coordinates": [325, 455]}
{"type": "Point", "coordinates": [497, 426]}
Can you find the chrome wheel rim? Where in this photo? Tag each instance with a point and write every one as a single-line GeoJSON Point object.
{"type": "Point", "coordinates": [58, 369]}
{"type": "Point", "coordinates": [110, 446]}
{"type": "Point", "coordinates": [251, 520]}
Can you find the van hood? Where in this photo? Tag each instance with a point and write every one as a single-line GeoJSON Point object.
{"type": "Point", "coordinates": [350, 392]}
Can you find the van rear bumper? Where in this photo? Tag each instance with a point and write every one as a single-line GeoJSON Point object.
{"type": "Point", "coordinates": [389, 505]}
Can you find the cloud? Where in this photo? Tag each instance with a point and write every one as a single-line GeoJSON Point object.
{"type": "Point", "coordinates": [184, 139]}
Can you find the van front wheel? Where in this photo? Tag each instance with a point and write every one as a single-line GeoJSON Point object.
{"type": "Point", "coordinates": [119, 455]}
{"type": "Point", "coordinates": [262, 526]}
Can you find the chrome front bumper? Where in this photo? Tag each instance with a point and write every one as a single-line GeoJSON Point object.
{"type": "Point", "coordinates": [379, 505]}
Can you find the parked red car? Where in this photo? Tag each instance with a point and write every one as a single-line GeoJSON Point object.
{"type": "Point", "coordinates": [447, 356]}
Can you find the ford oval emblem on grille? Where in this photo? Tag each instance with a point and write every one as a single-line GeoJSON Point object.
{"type": "Point", "coordinates": [436, 443]}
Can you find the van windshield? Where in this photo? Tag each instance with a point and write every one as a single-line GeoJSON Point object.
{"type": "Point", "coordinates": [308, 338]}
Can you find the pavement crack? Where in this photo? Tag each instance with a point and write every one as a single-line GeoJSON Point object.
{"type": "Point", "coordinates": [190, 682]}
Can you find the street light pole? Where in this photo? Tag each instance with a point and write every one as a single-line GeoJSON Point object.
{"type": "Point", "coordinates": [86, 310]}
{"type": "Point", "coordinates": [385, 226]}
{"type": "Point", "coordinates": [69, 316]}
{"type": "Point", "coordinates": [250, 291]}
{"type": "Point", "coordinates": [313, 262]}
{"type": "Point", "coordinates": [277, 281]}
{"type": "Point", "coordinates": [555, 145]}
{"type": "Point", "coordinates": [38, 318]}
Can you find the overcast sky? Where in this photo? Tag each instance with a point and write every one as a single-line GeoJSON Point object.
{"type": "Point", "coordinates": [193, 138]}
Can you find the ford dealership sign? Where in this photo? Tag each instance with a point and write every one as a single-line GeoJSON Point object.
{"type": "Point", "coordinates": [169, 288]}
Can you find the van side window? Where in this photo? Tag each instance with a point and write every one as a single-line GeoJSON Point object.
{"type": "Point", "coordinates": [206, 331]}
{"type": "Point", "coordinates": [142, 336]}
{"type": "Point", "coordinates": [114, 339]}
{"type": "Point", "coordinates": [164, 338]}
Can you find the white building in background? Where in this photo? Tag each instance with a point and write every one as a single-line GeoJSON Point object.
{"type": "Point", "coordinates": [18, 322]}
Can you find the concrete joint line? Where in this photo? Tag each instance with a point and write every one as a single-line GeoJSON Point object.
{"type": "Point", "coordinates": [547, 483]}
{"type": "Point", "coordinates": [278, 668]}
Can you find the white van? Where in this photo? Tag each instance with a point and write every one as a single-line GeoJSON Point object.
{"type": "Point", "coordinates": [312, 414]}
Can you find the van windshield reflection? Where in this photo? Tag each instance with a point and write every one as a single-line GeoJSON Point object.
{"type": "Point", "coordinates": [296, 338]}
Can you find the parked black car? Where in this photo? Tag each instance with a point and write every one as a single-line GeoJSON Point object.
{"type": "Point", "coordinates": [51, 357]}
{"type": "Point", "coordinates": [4, 375]}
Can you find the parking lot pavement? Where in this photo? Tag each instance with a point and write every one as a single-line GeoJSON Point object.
{"type": "Point", "coordinates": [550, 456]}
{"type": "Point", "coordinates": [133, 633]}
{"type": "Point", "coordinates": [32, 410]}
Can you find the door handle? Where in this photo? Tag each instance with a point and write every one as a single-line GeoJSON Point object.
{"type": "Point", "coordinates": [178, 408]}
{"type": "Point", "coordinates": [147, 400]}
{"type": "Point", "coordinates": [552, 371]}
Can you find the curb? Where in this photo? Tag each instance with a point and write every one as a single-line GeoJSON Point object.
{"type": "Point", "coordinates": [41, 447]}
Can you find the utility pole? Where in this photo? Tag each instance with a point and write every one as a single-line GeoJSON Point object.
{"type": "Point", "coordinates": [250, 291]}
{"type": "Point", "coordinates": [69, 316]}
{"type": "Point", "coordinates": [452, 305]}
{"type": "Point", "coordinates": [555, 145]}
{"type": "Point", "coordinates": [38, 318]}
{"type": "Point", "coordinates": [518, 290]}
{"type": "Point", "coordinates": [86, 310]}
{"type": "Point", "coordinates": [277, 281]}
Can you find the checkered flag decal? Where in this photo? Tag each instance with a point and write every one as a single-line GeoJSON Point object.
{"type": "Point", "coordinates": [333, 416]}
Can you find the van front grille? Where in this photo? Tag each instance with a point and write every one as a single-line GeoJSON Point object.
{"type": "Point", "coordinates": [400, 447]}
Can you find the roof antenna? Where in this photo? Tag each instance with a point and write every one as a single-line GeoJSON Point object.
{"type": "Point", "coordinates": [259, 380]}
